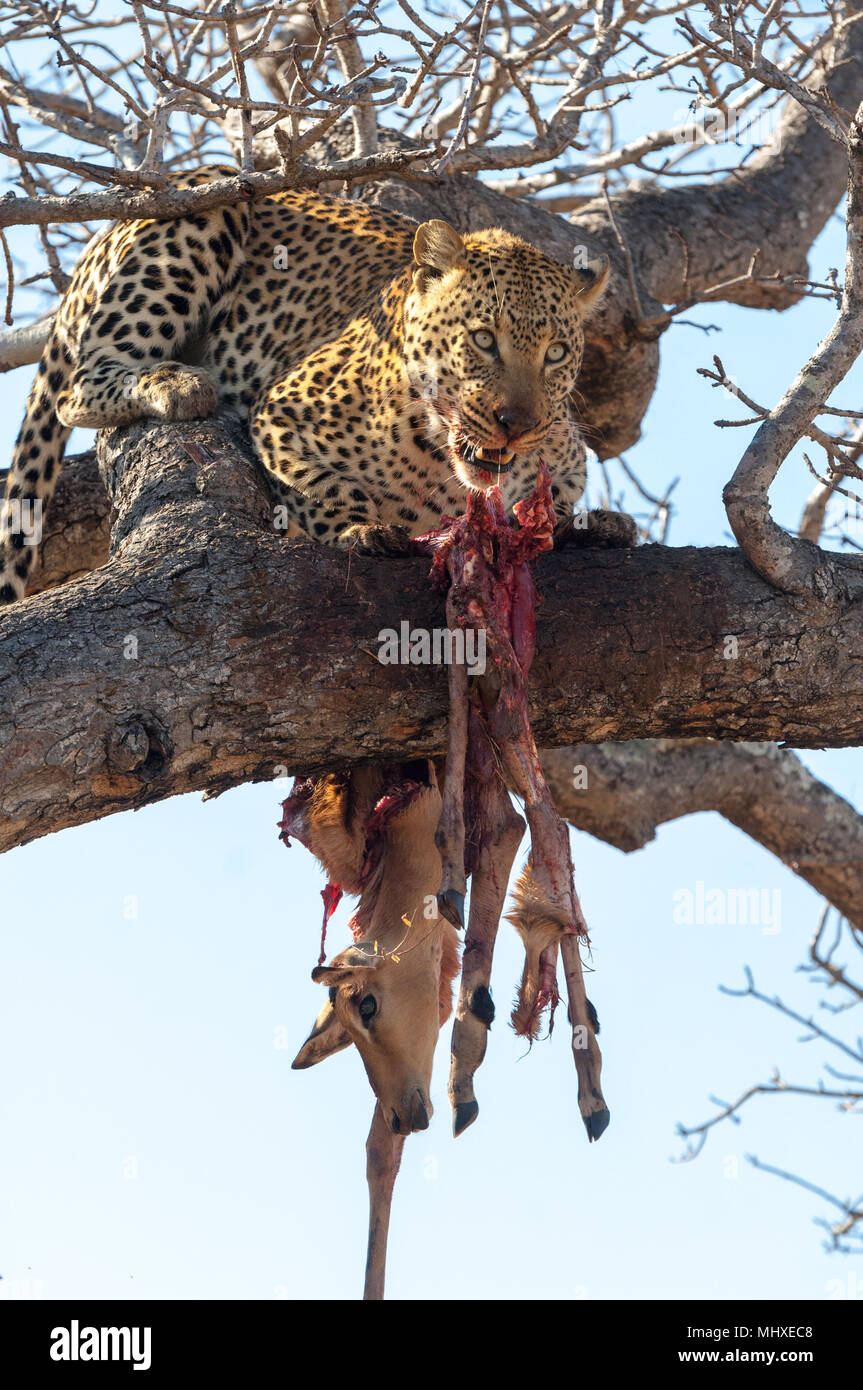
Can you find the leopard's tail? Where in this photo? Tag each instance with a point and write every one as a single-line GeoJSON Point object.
{"type": "Point", "coordinates": [30, 482]}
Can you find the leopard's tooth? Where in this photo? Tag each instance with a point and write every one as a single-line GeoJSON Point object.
{"type": "Point", "coordinates": [507, 455]}
{"type": "Point", "coordinates": [482, 454]}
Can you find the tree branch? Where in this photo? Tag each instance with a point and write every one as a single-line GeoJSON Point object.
{"type": "Point", "coordinates": [21, 346]}
{"type": "Point", "coordinates": [622, 793]}
{"type": "Point", "coordinates": [210, 652]}
{"type": "Point", "coordinates": [631, 789]}
{"type": "Point", "coordinates": [786, 560]}
{"type": "Point", "coordinates": [116, 203]}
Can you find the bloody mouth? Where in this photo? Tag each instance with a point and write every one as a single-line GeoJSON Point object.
{"type": "Point", "coordinates": [487, 464]}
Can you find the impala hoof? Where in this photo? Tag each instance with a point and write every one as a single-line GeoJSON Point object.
{"type": "Point", "coordinates": [451, 906]}
{"type": "Point", "coordinates": [597, 1123]}
{"type": "Point", "coordinates": [464, 1115]}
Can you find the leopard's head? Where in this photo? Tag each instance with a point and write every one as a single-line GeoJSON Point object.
{"type": "Point", "coordinates": [494, 335]}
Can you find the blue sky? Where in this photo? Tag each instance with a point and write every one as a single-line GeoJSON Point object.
{"type": "Point", "coordinates": [155, 988]}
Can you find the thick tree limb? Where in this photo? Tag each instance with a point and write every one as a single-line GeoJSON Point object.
{"type": "Point", "coordinates": [209, 652]}
{"type": "Point", "coordinates": [632, 788]}
{"type": "Point", "coordinates": [623, 792]}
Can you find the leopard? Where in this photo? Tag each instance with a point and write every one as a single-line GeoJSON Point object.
{"type": "Point", "coordinates": [382, 367]}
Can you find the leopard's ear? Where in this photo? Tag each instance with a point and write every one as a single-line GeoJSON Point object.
{"type": "Point", "coordinates": [437, 249]}
{"type": "Point", "coordinates": [593, 282]}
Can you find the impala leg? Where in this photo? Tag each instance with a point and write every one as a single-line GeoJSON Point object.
{"type": "Point", "coordinates": [543, 912]}
{"type": "Point", "coordinates": [585, 1048]}
{"type": "Point", "coordinates": [545, 918]}
{"type": "Point", "coordinates": [496, 833]}
{"type": "Point", "coordinates": [383, 1156]}
{"type": "Point", "coordinates": [547, 912]}
{"type": "Point", "coordinates": [449, 836]}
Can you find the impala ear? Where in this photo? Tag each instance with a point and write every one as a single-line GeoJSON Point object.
{"type": "Point", "coordinates": [327, 1036]}
{"type": "Point", "coordinates": [593, 281]}
{"type": "Point", "coordinates": [437, 249]}
{"type": "Point", "coordinates": [346, 966]}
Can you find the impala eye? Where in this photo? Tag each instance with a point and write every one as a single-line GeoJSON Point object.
{"type": "Point", "coordinates": [556, 353]}
{"type": "Point", "coordinates": [368, 1008]}
{"type": "Point", "coordinates": [484, 339]}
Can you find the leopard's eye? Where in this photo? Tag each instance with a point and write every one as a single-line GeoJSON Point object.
{"type": "Point", "coordinates": [368, 1008]}
{"type": "Point", "coordinates": [484, 339]}
{"type": "Point", "coordinates": [556, 353]}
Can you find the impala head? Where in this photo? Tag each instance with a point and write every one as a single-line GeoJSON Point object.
{"type": "Point", "coordinates": [391, 991]}
{"type": "Point", "coordinates": [493, 340]}
{"type": "Point", "coordinates": [392, 1014]}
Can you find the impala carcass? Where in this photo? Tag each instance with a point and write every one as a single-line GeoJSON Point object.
{"type": "Point", "coordinates": [389, 993]}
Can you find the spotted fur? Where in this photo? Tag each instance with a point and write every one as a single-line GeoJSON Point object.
{"type": "Point", "coordinates": [371, 358]}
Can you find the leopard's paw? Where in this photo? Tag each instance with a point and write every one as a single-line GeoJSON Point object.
{"type": "Point", "coordinates": [178, 393]}
{"type": "Point", "coordinates": [598, 529]}
{"type": "Point", "coordinates": [379, 540]}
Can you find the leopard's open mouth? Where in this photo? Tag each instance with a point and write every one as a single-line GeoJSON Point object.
{"type": "Point", "coordinates": [482, 465]}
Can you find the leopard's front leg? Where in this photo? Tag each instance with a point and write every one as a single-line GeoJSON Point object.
{"type": "Point", "coordinates": [334, 524]}
{"type": "Point", "coordinates": [321, 495]}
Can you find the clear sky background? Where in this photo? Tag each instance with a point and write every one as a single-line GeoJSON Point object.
{"type": "Point", "coordinates": [155, 988]}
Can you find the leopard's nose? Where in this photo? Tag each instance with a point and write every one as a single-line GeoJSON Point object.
{"type": "Point", "coordinates": [515, 420]}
